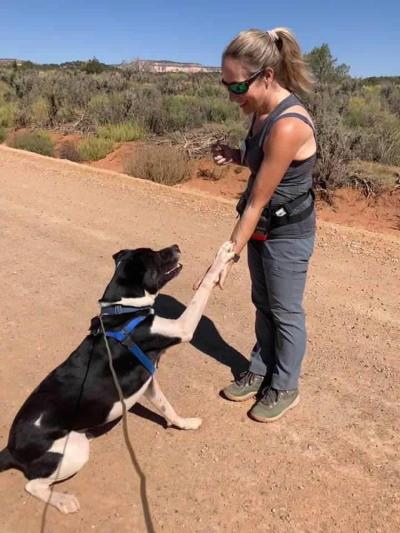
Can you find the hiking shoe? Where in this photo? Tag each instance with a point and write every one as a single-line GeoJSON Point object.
{"type": "Point", "coordinates": [274, 404]}
{"type": "Point", "coordinates": [246, 386]}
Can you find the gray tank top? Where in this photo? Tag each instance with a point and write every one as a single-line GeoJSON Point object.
{"type": "Point", "coordinates": [298, 177]}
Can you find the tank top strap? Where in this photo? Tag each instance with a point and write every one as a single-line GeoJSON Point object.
{"type": "Point", "coordinates": [287, 102]}
{"type": "Point", "coordinates": [301, 117]}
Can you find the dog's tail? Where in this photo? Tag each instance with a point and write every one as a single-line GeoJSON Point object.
{"type": "Point", "coordinates": [6, 460]}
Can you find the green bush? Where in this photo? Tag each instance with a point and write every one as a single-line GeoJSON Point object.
{"type": "Point", "coordinates": [235, 131]}
{"type": "Point", "coordinates": [3, 134]}
{"type": "Point", "coordinates": [219, 110]}
{"type": "Point", "coordinates": [183, 112]}
{"type": "Point", "coordinates": [93, 148]}
{"type": "Point", "coordinates": [106, 109]}
{"type": "Point", "coordinates": [40, 112]}
{"type": "Point", "coordinates": [7, 114]}
{"type": "Point", "coordinates": [129, 131]}
{"type": "Point", "coordinates": [35, 141]}
{"type": "Point", "coordinates": [161, 164]}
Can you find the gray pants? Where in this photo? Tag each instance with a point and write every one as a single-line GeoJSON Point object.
{"type": "Point", "coordinates": [278, 270]}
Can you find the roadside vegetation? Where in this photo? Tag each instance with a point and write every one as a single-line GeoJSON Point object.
{"type": "Point", "coordinates": [358, 120]}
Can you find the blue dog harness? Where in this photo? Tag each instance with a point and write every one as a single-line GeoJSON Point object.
{"type": "Point", "coordinates": [123, 335]}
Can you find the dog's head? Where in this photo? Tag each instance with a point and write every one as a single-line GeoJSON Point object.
{"type": "Point", "coordinates": [141, 273]}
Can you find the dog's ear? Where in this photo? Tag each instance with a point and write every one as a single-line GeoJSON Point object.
{"type": "Point", "coordinates": [118, 256]}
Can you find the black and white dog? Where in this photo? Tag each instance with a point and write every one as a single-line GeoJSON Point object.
{"type": "Point", "coordinates": [48, 439]}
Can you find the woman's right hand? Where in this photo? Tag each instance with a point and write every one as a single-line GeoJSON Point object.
{"type": "Point", "coordinates": [223, 154]}
{"type": "Point", "coordinates": [216, 273]}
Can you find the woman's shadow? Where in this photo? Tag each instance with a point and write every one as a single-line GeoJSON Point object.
{"type": "Point", "coordinates": [207, 339]}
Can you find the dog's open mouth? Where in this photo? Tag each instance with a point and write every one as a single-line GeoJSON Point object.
{"type": "Point", "coordinates": [172, 272]}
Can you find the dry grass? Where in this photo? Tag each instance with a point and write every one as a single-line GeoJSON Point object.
{"type": "Point", "coordinates": [92, 148]}
{"type": "Point", "coordinates": [129, 131]}
{"type": "Point", "coordinates": [161, 164]}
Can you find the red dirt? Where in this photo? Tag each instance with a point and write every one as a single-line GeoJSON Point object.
{"type": "Point", "coordinates": [349, 207]}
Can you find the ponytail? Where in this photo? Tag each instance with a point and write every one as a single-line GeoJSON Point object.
{"type": "Point", "coordinates": [293, 72]}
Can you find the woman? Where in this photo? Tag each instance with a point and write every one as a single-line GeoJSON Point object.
{"type": "Point", "coordinates": [262, 71]}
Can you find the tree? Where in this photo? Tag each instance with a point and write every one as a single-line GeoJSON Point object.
{"type": "Point", "coordinates": [324, 67]}
{"type": "Point", "coordinates": [93, 66]}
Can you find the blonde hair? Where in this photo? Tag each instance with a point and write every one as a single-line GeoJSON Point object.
{"type": "Point", "coordinates": [277, 49]}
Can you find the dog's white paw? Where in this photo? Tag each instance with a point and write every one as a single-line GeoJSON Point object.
{"type": "Point", "coordinates": [190, 423]}
{"type": "Point", "coordinates": [66, 503]}
{"type": "Point", "coordinates": [224, 255]}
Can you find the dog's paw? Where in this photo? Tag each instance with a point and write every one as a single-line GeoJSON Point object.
{"type": "Point", "coordinates": [190, 423]}
{"type": "Point", "coordinates": [224, 255]}
{"type": "Point", "coordinates": [66, 503]}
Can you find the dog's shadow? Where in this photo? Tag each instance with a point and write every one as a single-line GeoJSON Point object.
{"type": "Point", "coordinates": [206, 339]}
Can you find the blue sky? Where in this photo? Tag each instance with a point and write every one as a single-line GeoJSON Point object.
{"type": "Point", "coordinates": [361, 33]}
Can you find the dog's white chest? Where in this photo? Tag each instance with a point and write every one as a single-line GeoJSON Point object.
{"type": "Point", "coordinates": [116, 410]}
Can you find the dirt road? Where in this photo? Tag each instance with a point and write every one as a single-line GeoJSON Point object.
{"type": "Point", "coordinates": [332, 464]}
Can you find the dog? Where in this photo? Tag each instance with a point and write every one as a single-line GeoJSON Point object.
{"type": "Point", "coordinates": [49, 437]}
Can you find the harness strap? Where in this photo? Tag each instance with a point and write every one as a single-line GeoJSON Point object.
{"type": "Point", "coordinates": [121, 309]}
{"type": "Point", "coordinates": [137, 352]}
{"type": "Point", "coordinates": [122, 336]}
{"type": "Point", "coordinates": [124, 332]}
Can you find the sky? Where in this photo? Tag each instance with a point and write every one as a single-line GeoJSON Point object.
{"type": "Point", "coordinates": [363, 34]}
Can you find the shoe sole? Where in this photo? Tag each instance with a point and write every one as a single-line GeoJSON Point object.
{"type": "Point", "coordinates": [233, 398]}
{"type": "Point", "coordinates": [261, 419]}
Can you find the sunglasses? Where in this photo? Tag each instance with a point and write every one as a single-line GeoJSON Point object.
{"type": "Point", "coordinates": [241, 87]}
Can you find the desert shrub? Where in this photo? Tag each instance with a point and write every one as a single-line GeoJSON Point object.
{"type": "Point", "coordinates": [34, 141]}
{"type": "Point", "coordinates": [236, 131]}
{"type": "Point", "coordinates": [380, 143]}
{"type": "Point", "coordinates": [147, 107]}
{"type": "Point", "coordinates": [335, 143]}
{"type": "Point", "coordinates": [3, 134]}
{"type": "Point", "coordinates": [182, 112]}
{"type": "Point", "coordinates": [334, 153]}
{"type": "Point", "coordinates": [105, 109]}
{"type": "Point", "coordinates": [7, 114]}
{"type": "Point", "coordinates": [69, 150]}
{"type": "Point", "coordinates": [364, 108]}
{"type": "Point", "coordinates": [161, 164]}
{"type": "Point", "coordinates": [93, 66]}
{"type": "Point", "coordinates": [128, 131]}
{"type": "Point", "coordinates": [40, 112]}
{"type": "Point", "coordinates": [218, 110]}
{"type": "Point", "coordinates": [390, 94]}
{"type": "Point", "coordinates": [93, 148]}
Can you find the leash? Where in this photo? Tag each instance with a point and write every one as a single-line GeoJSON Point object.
{"type": "Point", "coordinates": [78, 403]}
{"type": "Point", "coordinates": [135, 463]}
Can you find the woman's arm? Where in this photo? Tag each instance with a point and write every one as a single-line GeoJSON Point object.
{"type": "Point", "coordinates": [280, 149]}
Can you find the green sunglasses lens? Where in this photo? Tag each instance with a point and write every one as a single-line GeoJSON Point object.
{"type": "Point", "coordinates": [238, 88]}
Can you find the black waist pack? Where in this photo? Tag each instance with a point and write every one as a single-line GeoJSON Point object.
{"type": "Point", "coordinates": [279, 215]}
